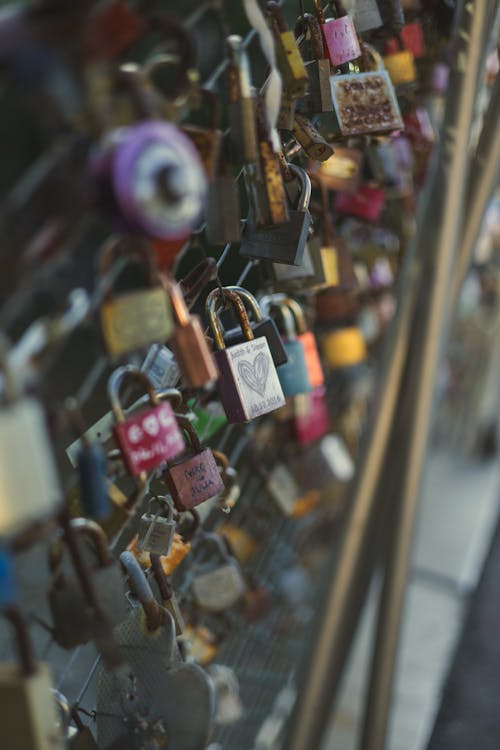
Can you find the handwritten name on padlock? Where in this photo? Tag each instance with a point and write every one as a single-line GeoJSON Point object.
{"type": "Point", "coordinates": [148, 437]}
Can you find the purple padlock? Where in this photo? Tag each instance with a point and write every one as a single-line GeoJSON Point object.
{"type": "Point", "coordinates": [152, 178]}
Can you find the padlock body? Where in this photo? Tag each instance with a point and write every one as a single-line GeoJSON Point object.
{"type": "Point", "coordinates": [265, 327]}
{"type": "Point", "coordinates": [366, 203]}
{"type": "Point", "coordinates": [314, 422]}
{"type": "Point", "coordinates": [341, 40]}
{"type": "Point", "coordinates": [223, 211]}
{"type": "Point", "coordinates": [282, 244]}
{"type": "Point", "coordinates": [293, 375]}
{"type": "Point", "coordinates": [194, 480]}
{"type": "Point", "coordinates": [329, 262]}
{"type": "Point", "coordinates": [286, 114]}
{"type": "Point", "coordinates": [376, 110]}
{"type": "Point", "coordinates": [342, 171]}
{"type": "Point", "coordinates": [294, 277]}
{"type": "Point", "coordinates": [311, 139]}
{"type": "Point", "coordinates": [93, 481]}
{"type": "Point", "coordinates": [208, 143]}
{"type": "Point", "coordinates": [193, 354]}
{"type": "Point", "coordinates": [136, 319]}
{"type": "Point", "coordinates": [161, 367]}
{"type": "Point", "coordinates": [219, 589]}
{"type": "Point", "coordinates": [366, 15]}
{"type": "Point", "coordinates": [24, 436]}
{"type": "Point", "coordinates": [413, 38]}
{"type": "Point", "coordinates": [29, 717]}
{"type": "Point", "coordinates": [149, 438]}
{"type": "Point", "coordinates": [319, 97]}
{"type": "Point", "coordinates": [401, 67]}
{"type": "Point", "coordinates": [248, 384]}
{"type": "Point", "coordinates": [156, 534]}
{"type": "Point", "coordinates": [343, 347]}
{"type": "Point", "coordinates": [313, 362]}
{"type": "Point", "coordinates": [243, 131]}
{"type": "Point", "coordinates": [291, 64]}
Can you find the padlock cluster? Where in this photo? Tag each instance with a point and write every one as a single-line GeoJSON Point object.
{"type": "Point", "coordinates": [236, 282]}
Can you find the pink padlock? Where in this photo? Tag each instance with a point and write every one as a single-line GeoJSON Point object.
{"type": "Point", "coordinates": [311, 420]}
{"type": "Point", "coordinates": [339, 35]}
{"type": "Point", "coordinates": [152, 436]}
{"type": "Point", "coordinates": [366, 203]}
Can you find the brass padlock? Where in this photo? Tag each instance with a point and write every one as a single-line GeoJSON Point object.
{"type": "Point", "coordinates": [207, 138]}
{"type": "Point", "coordinates": [288, 57]}
{"type": "Point", "coordinates": [243, 130]}
{"type": "Point", "coordinates": [399, 62]}
{"type": "Point", "coordinates": [319, 96]}
{"type": "Point", "coordinates": [29, 716]}
{"type": "Point", "coordinates": [134, 319]}
{"type": "Point", "coordinates": [311, 140]}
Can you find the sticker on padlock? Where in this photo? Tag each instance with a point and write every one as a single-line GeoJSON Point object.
{"type": "Point", "coordinates": [248, 384]}
{"type": "Point", "coordinates": [282, 244]}
{"type": "Point", "coordinates": [133, 319]}
{"type": "Point", "coordinates": [193, 478]}
{"type": "Point", "coordinates": [30, 718]}
{"type": "Point", "coordinates": [217, 582]}
{"type": "Point", "coordinates": [156, 530]}
{"type": "Point", "coordinates": [150, 438]}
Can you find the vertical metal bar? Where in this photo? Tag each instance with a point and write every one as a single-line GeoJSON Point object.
{"type": "Point", "coordinates": [415, 402]}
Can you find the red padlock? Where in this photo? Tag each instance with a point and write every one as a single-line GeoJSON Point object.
{"type": "Point", "coordinates": [152, 436]}
{"type": "Point", "coordinates": [413, 38]}
{"type": "Point", "coordinates": [311, 420]}
{"type": "Point", "coordinates": [366, 203]}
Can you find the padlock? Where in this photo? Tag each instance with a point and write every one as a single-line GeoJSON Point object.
{"type": "Point", "coordinates": [217, 582]}
{"type": "Point", "coordinates": [283, 488]}
{"type": "Point", "coordinates": [230, 495]}
{"type": "Point", "coordinates": [310, 139]}
{"type": "Point", "coordinates": [248, 385]}
{"type": "Point", "coordinates": [399, 62]}
{"type": "Point", "coordinates": [366, 203]}
{"type": "Point", "coordinates": [288, 57]}
{"type": "Point", "coordinates": [188, 342]}
{"type": "Point", "coordinates": [391, 163]}
{"type": "Point", "coordinates": [308, 341]}
{"type": "Point", "coordinates": [23, 432]}
{"type": "Point", "coordinates": [156, 530]}
{"type": "Point", "coordinates": [342, 171]}
{"type": "Point", "coordinates": [150, 438]}
{"type": "Point", "coordinates": [392, 14]}
{"type": "Point", "coordinates": [328, 251]}
{"type": "Point", "coordinates": [377, 108]}
{"type": "Point", "coordinates": [336, 306]}
{"type": "Point", "coordinates": [72, 614]}
{"type": "Point", "coordinates": [193, 478]}
{"type": "Point", "coordinates": [412, 38]}
{"type": "Point", "coordinates": [151, 177]}
{"type": "Point", "coordinates": [343, 347]}
{"type": "Point", "coordinates": [319, 96]}
{"type": "Point", "coordinates": [229, 707]}
{"type": "Point", "coordinates": [207, 138]}
{"type": "Point", "coordinates": [339, 35]}
{"type": "Point", "coordinates": [223, 207]}
{"type": "Point", "coordinates": [311, 422]}
{"type": "Point", "coordinates": [243, 126]}
{"type": "Point", "coordinates": [266, 190]}
{"type": "Point", "coordinates": [29, 713]}
{"type": "Point", "coordinates": [133, 319]}
{"type": "Point", "coordinates": [283, 244]}
{"type": "Point", "coordinates": [286, 115]}
{"type": "Point", "coordinates": [293, 375]}
{"type": "Point", "coordinates": [161, 367]}
{"type": "Point", "coordinates": [260, 325]}
{"type": "Point", "coordinates": [366, 15]}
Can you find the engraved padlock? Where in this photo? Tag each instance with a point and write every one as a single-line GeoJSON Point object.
{"type": "Point", "coordinates": [188, 342]}
{"type": "Point", "coordinates": [261, 326]}
{"type": "Point", "coordinates": [282, 244]}
{"type": "Point", "coordinates": [319, 95]}
{"type": "Point", "coordinates": [148, 438]}
{"type": "Point", "coordinates": [194, 477]}
{"type": "Point", "coordinates": [24, 432]}
{"type": "Point", "coordinates": [29, 718]}
{"type": "Point", "coordinates": [293, 375]}
{"type": "Point", "coordinates": [339, 34]}
{"type": "Point", "coordinates": [288, 57]}
{"type": "Point", "coordinates": [217, 582]}
{"type": "Point", "coordinates": [151, 177]}
{"type": "Point", "coordinates": [135, 318]}
{"type": "Point", "coordinates": [248, 385]}
{"type": "Point", "coordinates": [311, 140]}
{"type": "Point", "coordinates": [156, 530]}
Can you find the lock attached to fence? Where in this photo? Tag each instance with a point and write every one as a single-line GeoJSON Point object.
{"type": "Point", "coordinates": [319, 96]}
{"type": "Point", "coordinates": [288, 57]}
{"type": "Point", "coordinates": [152, 436]}
{"type": "Point", "coordinates": [343, 347]}
{"type": "Point", "coordinates": [207, 139]}
{"type": "Point", "coordinates": [308, 342]}
{"type": "Point", "coordinates": [339, 35]}
{"type": "Point", "coordinates": [281, 244]}
{"type": "Point", "coordinates": [248, 384]}
{"type": "Point", "coordinates": [293, 375]}
{"type": "Point", "coordinates": [156, 530]}
{"type": "Point", "coordinates": [243, 130]}
{"type": "Point", "coordinates": [399, 62]}
{"type": "Point", "coordinates": [131, 320]}
{"type": "Point", "coordinates": [217, 578]}
{"type": "Point", "coordinates": [194, 478]}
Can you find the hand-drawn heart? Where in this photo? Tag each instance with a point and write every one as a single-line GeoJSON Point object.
{"type": "Point", "coordinates": [255, 375]}
{"type": "Point", "coordinates": [151, 426]}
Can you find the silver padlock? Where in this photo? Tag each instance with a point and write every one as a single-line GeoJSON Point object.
{"type": "Point", "coordinates": [161, 367]}
{"type": "Point", "coordinates": [29, 491]}
{"type": "Point", "coordinates": [217, 581]}
{"type": "Point", "coordinates": [156, 531]}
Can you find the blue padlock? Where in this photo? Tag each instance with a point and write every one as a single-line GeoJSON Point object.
{"type": "Point", "coordinates": [93, 481]}
{"type": "Point", "coordinates": [293, 375]}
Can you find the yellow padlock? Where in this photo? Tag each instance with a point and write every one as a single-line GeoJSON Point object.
{"type": "Point", "coordinates": [399, 63]}
{"type": "Point", "coordinates": [288, 57]}
{"type": "Point", "coordinates": [343, 347]}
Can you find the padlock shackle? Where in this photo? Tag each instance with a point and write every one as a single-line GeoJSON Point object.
{"type": "Point", "coordinates": [115, 384]}
{"type": "Point", "coordinates": [250, 301]}
{"type": "Point", "coordinates": [308, 23]}
{"type": "Point", "coordinates": [214, 301]}
{"type": "Point", "coordinates": [163, 502]}
{"type": "Point", "coordinates": [186, 425]}
{"type": "Point", "coordinates": [87, 527]}
{"type": "Point", "coordinates": [298, 313]}
{"type": "Point", "coordinates": [213, 540]}
{"type": "Point", "coordinates": [196, 280]}
{"type": "Point", "coordinates": [319, 11]}
{"type": "Point", "coordinates": [142, 590]}
{"type": "Point", "coordinates": [305, 194]}
{"type": "Point", "coordinates": [25, 651]}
